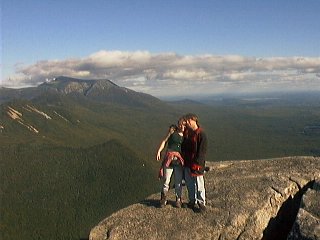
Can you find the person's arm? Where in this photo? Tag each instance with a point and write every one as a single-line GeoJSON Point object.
{"type": "Point", "coordinates": [198, 167]}
{"type": "Point", "coordinates": [201, 149]}
{"type": "Point", "coordinates": [163, 144]}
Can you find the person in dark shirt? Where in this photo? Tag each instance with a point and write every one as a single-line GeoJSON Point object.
{"type": "Point", "coordinates": [194, 149]}
{"type": "Point", "coordinates": [172, 162]}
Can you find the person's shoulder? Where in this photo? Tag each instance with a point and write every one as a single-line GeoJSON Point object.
{"type": "Point", "coordinates": [202, 132]}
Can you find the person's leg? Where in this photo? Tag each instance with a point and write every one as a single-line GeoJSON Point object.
{"type": "Point", "coordinates": [167, 177]}
{"type": "Point", "coordinates": [191, 185]}
{"type": "Point", "coordinates": [166, 185]}
{"type": "Point", "coordinates": [201, 192]}
{"type": "Point", "coordinates": [178, 174]}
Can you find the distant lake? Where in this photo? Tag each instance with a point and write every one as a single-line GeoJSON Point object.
{"type": "Point", "coordinates": [311, 129]}
{"type": "Point", "coordinates": [259, 99]}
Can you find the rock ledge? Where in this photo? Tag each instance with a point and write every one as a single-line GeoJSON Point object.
{"type": "Point", "coordinates": [247, 199]}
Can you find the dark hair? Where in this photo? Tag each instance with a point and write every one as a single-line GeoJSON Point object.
{"type": "Point", "coordinates": [193, 117]}
{"type": "Point", "coordinates": [181, 120]}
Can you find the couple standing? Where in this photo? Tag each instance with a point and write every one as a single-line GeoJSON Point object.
{"type": "Point", "coordinates": [185, 157]}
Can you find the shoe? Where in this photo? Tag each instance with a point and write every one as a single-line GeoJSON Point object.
{"type": "Point", "coordinates": [191, 205]}
{"type": "Point", "coordinates": [178, 203]}
{"type": "Point", "coordinates": [163, 200]}
{"type": "Point", "coordinates": [188, 205]}
{"type": "Point", "coordinates": [202, 207]}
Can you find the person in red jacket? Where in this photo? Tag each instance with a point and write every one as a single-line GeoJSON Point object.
{"type": "Point", "coordinates": [194, 149]}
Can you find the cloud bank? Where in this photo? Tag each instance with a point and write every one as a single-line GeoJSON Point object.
{"type": "Point", "coordinates": [165, 74]}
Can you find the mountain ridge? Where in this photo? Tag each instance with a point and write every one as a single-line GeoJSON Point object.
{"type": "Point", "coordinates": [71, 103]}
{"type": "Point", "coordinates": [101, 90]}
{"type": "Point", "coordinates": [68, 84]}
{"type": "Point", "coordinates": [75, 126]}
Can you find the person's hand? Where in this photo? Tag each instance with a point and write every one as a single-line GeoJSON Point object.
{"type": "Point", "coordinates": [196, 170]}
{"type": "Point", "coordinates": [171, 130]}
{"type": "Point", "coordinates": [195, 167]}
{"type": "Point", "coordinates": [158, 156]}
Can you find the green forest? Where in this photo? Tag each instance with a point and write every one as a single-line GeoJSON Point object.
{"type": "Point", "coordinates": [62, 182]}
{"type": "Point", "coordinates": [60, 193]}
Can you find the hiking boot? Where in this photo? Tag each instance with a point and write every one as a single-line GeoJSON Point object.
{"type": "Point", "coordinates": [163, 200]}
{"type": "Point", "coordinates": [178, 203]}
{"type": "Point", "coordinates": [188, 205]}
{"type": "Point", "coordinates": [202, 207]}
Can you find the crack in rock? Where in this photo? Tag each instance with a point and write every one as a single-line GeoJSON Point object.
{"type": "Point", "coordinates": [280, 226]}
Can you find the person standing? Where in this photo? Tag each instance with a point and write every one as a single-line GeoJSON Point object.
{"type": "Point", "coordinates": [172, 162]}
{"type": "Point", "coordinates": [194, 151]}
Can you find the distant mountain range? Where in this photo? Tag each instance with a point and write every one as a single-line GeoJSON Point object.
{"type": "Point", "coordinates": [98, 90]}
{"type": "Point", "coordinates": [74, 150]}
{"type": "Point", "coordinates": [65, 110]}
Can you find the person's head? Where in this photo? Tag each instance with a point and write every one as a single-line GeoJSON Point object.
{"type": "Point", "coordinates": [181, 124]}
{"type": "Point", "coordinates": [192, 120]}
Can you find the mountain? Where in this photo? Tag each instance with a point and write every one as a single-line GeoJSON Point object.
{"type": "Point", "coordinates": [186, 102]}
{"type": "Point", "coordinates": [102, 90]}
{"type": "Point", "coordinates": [70, 111]}
{"type": "Point", "coordinates": [70, 146]}
{"type": "Point", "coordinates": [9, 94]}
{"type": "Point", "coordinates": [74, 151]}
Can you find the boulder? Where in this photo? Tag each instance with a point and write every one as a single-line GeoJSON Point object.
{"type": "Point", "coordinates": [249, 199]}
{"type": "Point", "coordinates": [307, 223]}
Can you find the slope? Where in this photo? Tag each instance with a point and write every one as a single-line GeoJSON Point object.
{"type": "Point", "coordinates": [59, 192]}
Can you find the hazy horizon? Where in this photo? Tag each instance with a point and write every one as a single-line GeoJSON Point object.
{"type": "Point", "coordinates": [164, 48]}
{"type": "Point", "coordinates": [207, 96]}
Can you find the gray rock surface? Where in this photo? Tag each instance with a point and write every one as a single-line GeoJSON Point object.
{"type": "Point", "coordinates": [245, 200]}
{"type": "Point", "coordinates": [307, 224]}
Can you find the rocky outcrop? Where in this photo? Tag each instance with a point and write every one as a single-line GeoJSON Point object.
{"type": "Point", "coordinates": [307, 224]}
{"type": "Point", "coordinates": [17, 116]}
{"type": "Point", "coordinates": [246, 200]}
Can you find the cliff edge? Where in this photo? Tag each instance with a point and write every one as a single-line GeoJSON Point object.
{"type": "Point", "coordinates": [250, 199]}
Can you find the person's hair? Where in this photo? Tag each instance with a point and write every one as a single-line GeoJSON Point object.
{"type": "Point", "coordinates": [181, 120]}
{"type": "Point", "coordinates": [192, 116]}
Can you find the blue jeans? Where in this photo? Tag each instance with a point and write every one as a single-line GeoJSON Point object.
{"type": "Point", "coordinates": [178, 173]}
{"type": "Point", "coordinates": [196, 188]}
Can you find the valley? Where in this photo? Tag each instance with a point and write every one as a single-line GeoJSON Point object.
{"type": "Point", "coordinates": [93, 151]}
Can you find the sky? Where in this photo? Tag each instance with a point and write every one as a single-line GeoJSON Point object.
{"type": "Point", "coordinates": [164, 47]}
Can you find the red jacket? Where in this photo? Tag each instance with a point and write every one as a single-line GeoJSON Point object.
{"type": "Point", "coordinates": [194, 149]}
{"type": "Point", "coordinates": [168, 159]}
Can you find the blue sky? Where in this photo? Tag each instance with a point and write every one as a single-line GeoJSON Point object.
{"type": "Point", "coordinates": [175, 47]}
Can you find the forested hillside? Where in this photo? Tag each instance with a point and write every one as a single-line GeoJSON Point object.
{"type": "Point", "coordinates": [60, 192]}
{"type": "Point", "coordinates": [72, 154]}
{"type": "Point", "coordinates": [241, 129]}
{"type": "Point", "coordinates": [68, 160]}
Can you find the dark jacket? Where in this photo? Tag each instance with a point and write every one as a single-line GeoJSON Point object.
{"type": "Point", "coordinates": [194, 149]}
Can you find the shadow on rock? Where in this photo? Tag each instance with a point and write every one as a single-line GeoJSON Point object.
{"type": "Point", "coordinates": [280, 226]}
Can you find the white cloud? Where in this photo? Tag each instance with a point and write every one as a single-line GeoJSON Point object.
{"type": "Point", "coordinates": [169, 73]}
{"type": "Point", "coordinates": [185, 74]}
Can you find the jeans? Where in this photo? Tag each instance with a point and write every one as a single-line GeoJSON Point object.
{"type": "Point", "coordinates": [196, 188]}
{"type": "Point", "coordinates": [178, 174]}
